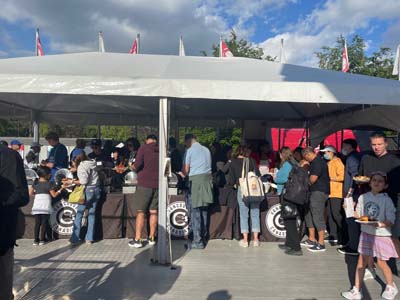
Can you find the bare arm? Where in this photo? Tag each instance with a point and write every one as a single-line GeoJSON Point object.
{"type": "Point", "coordinates": [313, 179]}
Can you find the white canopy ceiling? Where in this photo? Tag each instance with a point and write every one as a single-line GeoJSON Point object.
{"type": "Point", "coordinates": [111, 88]}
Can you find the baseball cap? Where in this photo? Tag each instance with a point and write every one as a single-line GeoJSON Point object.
{"type": "Point", "coordinates": [96, 142]}
{"type": "Point", "coordinates": [329, 148]}
{"type": "Point", "coordinates": [15, 142]}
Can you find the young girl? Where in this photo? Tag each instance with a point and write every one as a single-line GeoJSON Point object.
{"type": "Point", "coordinates": [42, 191]}
{"type": "Point", "coordinates": [375, 239]}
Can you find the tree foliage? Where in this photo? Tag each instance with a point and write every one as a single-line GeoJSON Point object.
{"type": "Point", "coordinates": [379, 64]}
{"type": "Point", "coordinates": [240, 48]}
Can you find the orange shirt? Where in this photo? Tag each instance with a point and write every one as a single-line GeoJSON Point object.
{"type": "Point", "coordinates": [336, 175]}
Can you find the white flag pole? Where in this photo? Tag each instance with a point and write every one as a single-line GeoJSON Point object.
{"type": "Point", "coordinates": [282, 58]}
{"type": "Point", "coordinates": [36, 41]}
{"type": "Point", "coordinates": [396, 66]}
{"type": "Point", "coordinates": [101, 42]}
{"type": "Point", "coordinates": [181, 47]}
{"type": "Point", "coordinates": [220, 46]}
{"type": "Point", "coordinates": [138, 43]}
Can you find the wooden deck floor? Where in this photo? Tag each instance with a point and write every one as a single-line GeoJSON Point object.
{"type": "Point", "coordinates": [110, 270]}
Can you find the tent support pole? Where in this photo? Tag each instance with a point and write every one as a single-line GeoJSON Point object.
{"type": "Point", "coordinates": [35, 128]}
{"type": "Point", "coordinates": [162, 249]}
{"type": "Point", "coordinates": [98, 131]}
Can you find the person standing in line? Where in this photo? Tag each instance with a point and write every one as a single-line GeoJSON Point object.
{"type": "Point", "coordinates": [146, 195]}
{"type": "Point", "coordinates": [13, 194]}
{"type": "Point", "coordinates": [42, 191]}
{"type": "Point", "coordinates": [200, 195]}
{"type": "Point", "coordinates": [89, 177]}
{"type": "Point", "coordinates": [335, 201]}
{"type": "Point", "coordinates": [319, 192]}
{"type": "Point", "coordinates": [349, 150]}
{"type": "Point", "coordinates": [32, 157]}
{"type": "Point", "coordinates": [58, 156]}
{"type": "Point", "coordinates": [375, 239]}
{"type": "Point", "coordinates": [234, 174]}
{"type": "Point", "coordinates": [292, 242]}
{"type": "Point", "coordinates": [80, 145]}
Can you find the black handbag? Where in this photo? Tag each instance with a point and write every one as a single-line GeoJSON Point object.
{"type": "Point", "coordinates": [289, 210]}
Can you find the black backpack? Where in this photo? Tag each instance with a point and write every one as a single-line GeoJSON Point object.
{"type": "Point", "coordinates": [297, 186]}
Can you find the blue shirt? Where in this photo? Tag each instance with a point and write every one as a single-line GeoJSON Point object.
{"type": "Point", "coordinates": [59, 156]}
{"type": "Point", "coordinates": [198, 158]}
{"type": "Point", "coordinates": [282, 176]}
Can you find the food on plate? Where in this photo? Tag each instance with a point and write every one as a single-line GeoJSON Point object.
{"type": "Point", "coordinates": [367, 219]}
{"type": "Point", "coordinates": [361, 178]}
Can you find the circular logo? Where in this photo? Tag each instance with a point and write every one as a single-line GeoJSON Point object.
{"type": "Point", "coordinates": [63, 216]}
{"type": "Point", "coordinates": [274, 222]}
{"type": "Point", "coordinates": [178, 218]}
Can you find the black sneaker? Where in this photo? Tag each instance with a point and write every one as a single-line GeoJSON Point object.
{"type": "Point", "coordinates": [294, 252]}
{"type": "Point", "coordinates": [347, 251]}
{"type": "Point", "coordinates": [331, 239]}
{"type": "Point", "coordinates": [308, 243]}
{"type": "Point", "coordinates": [284, 247]}
{"type": "Point", "coordinates": [317, 248]}
{"type": "Point", "coordinates": [136, 244]}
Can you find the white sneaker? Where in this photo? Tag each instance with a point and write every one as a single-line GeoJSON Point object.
{"type": "Point", "coordinates": [243, 244]}
{"type": "Point", "coordinates": [369, 274]}
{"type": "Point", "coordinates": [256, 244]}
{"type": "Point", "coordinates": [353, 294]}
{"type": "Point", "coordinates": [390, 292]}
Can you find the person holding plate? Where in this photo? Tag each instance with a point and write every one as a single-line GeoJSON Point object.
{"type": "Point", "coordinates": [375, 241]}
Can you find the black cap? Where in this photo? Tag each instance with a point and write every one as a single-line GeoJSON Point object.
{"type": "Point", "coordinates": [151, 137]}
{"type": "Point", "coordinates": [52, 136]}
{"type": "Point", "coordinates": [96, 142]}
{"type": "Point", "coordinates": [189, 136]}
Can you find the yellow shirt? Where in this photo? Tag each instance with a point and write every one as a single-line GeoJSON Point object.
{"type": "Point", "coordinates": [336, 175]}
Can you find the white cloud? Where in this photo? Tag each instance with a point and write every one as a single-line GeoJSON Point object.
{"type": "Point", "coordinates": [72, 25]}
{"type": "Point", "coordinates": [324, 24]}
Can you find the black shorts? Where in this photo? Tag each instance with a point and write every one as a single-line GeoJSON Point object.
{"type": "Point", "coordinates": [145, 199]}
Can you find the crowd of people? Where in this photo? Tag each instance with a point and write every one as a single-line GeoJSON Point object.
{"type": "Point", "coordinates": [332, 200]}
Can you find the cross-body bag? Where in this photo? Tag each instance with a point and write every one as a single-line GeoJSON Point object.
{"type": "Point", "coordinates": [251, 185]}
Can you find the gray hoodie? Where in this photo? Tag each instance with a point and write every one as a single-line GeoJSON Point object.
{"type": "Point", "coordinates": [87, 174]}
{"type": "Point", "coordinates": [378, 206]}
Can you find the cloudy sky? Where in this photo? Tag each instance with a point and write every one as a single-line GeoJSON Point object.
{"type": "Point", "coordinates": [306, 25]}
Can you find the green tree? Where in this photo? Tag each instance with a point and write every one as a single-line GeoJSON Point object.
{"type": "Point", "coordinates": [379, 64]}
{"type": "Point", "coordinates": [240, 48]}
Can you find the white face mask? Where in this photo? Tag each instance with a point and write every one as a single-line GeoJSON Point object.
{"type": "Point", "coordinates": [345, 152]}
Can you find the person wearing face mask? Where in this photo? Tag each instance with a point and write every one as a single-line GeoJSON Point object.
{"type": "Point", "coordinates": [335, 201]}
{"type": "Point", "coordinates": [349, 150]}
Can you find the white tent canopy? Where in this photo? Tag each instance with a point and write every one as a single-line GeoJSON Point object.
{"type": "Point", "coordinates": [110, 88]}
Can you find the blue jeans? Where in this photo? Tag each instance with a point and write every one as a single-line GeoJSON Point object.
{"type": "Point", "coordinates": [198, 221]}
{"type": "Point", "coordinates": [244, 214]}
{"type": "Point", "coordinates": [92, 197]}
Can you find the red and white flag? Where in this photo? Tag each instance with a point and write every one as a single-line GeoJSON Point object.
{"type": "Point", "coordinates": [39, 48]}
{"type": "Point", "coordinates": [134, 48]}
{"type": "Point", "coordinates": [224, 49]}
{"type": "Point", "coordinates": [345, 59]}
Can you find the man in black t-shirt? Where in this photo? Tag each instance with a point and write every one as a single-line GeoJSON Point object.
{"type": "Point", "coordinates": [319, 193]}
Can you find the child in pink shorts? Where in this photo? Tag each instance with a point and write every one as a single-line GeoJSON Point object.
{"type": "Point", "coordinates": [375, 239]}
